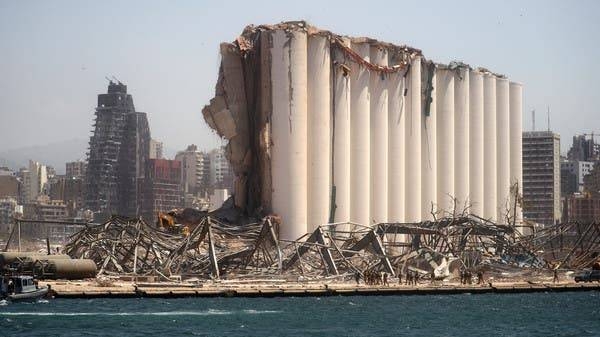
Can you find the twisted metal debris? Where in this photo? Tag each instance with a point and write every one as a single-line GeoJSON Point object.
{"type": "Point", "coordinates": [218, 249]}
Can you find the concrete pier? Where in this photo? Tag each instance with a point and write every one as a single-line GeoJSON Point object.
{"type": "Point", "coordinates": [87, 290]}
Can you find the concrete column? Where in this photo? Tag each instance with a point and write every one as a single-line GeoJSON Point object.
{"type": "Point", "coordinates": [490, 148]}
{"type": "Point", "coordinates": [461, 139]}
{"type": "Point", "coordinates": [503, 148]}
{"type": "Point", "coordinates": [476, 143]}
{"type": "Point", "coordinates": [413, 143]}
{"type": "Point", "coordinates": [289, 131]}
{"type": "Point", "coordinates": [341, 136]}
{"type": "Point", "coordinates": [445, 139]}
{"type": "Point", "coordinates": [379, 137]}
{"type": "Point", "coordinates": [360, 144]}
{"type": "Point", "coordinates": [319, 131]}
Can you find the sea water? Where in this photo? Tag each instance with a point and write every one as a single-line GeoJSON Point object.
{"type": "Point", "coordinates": [540, 314]}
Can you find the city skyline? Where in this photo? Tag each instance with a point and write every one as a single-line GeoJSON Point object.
{"type": "Point", "coordinates": [58, 54]}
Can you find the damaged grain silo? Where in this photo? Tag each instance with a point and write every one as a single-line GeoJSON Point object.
{"type": "Point", "coordinates": [327, 128]}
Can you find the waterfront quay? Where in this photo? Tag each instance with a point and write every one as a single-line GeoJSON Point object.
{"type": "Point", "coordinates": [84, 289]}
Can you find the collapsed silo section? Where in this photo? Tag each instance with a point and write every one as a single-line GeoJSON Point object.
{"type": "Point", "coordinates": [378, 92]}
{"type": "Point", "coordinates": [490, 204]}
{"type": "Point", "coordinates": [412, 135]}
{"type": "Point", "coordinates": [428, 141]}
{"type": "Point", "coordinates": [289, 130]}
{"type": "Point", "coordinates": [341, 132]}
{"type": "Point", "coordinates": [360, 145]}
{"type": "Point", "coordinates": [516, 148]}
{"type": "Point", "coordinates": [445, 139]}
{"type": "Point", "coordinates": [503, 150]}
{"type": "Point", "coordinates": [319, 130]}
{"type": "Point", "coordinates": [476, 140]}
{"type": "Point", "coordinates": [461, 138]}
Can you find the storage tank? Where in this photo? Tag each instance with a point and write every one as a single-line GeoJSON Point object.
{"type": "Point", "coordinates": [461, 138]}
{"type": "Point", "coordinates": [476, 130]}
{"type": "Point", "coordinates": [396, 147]}
{"type": "Point", "coordinates": [341, 133]}
{"type": "Point", "coordinates": [360, 137]}
{"type": "Point", "coordinates": [6, 258]}
{"type": "Point", "coordinates": [413, 143]}
{"type": "Point", "coordinates": [490, 204]}
{"type": "Point", "coordinates": [516, 143]}
{"type": "Point", "coordinates": [289, 130]}
{"type": "Point", "coordinates": [73, 269]}
{"type": "Point", "coordinates": [503, 136]}
{"type": "Point", "coordinates": [344, 114]}
{"type": "Point", "coordinates": [378, 86]}
{"type": "Point", "coordinates": [445, 139]}
{"type": "Point", "coordinates": [429, 152]}
{"type": "Point", "coordinates": [319, 130]}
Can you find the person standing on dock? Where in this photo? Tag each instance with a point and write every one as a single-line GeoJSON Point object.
{"type": "Point", "coordinates": [555, 278]}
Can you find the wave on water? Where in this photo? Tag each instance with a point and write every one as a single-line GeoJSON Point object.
{"type": "Point", "coordinates": [252, 311]}
{"type": "Point", "coordinates": [208, 312]}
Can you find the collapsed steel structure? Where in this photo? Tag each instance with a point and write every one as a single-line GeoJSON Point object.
{"type": "Point", "coordinates": [216, 248]}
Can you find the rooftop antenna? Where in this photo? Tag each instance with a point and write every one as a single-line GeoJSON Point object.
{"type": "Point", "coordinates": [108, 79]}
{"type": "Point", "coordinates": [548, 115]}
{"type": "Point", "coordinates": [533, 118]}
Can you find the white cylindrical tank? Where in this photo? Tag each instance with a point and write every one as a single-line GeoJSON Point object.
{"type": "Point", "coordinates": [319, 130]}
{"type": "Point", "coordinates": [503, 148]}
{"type": "Point", "coordinates": [445, 139]}
{"type": "Point", "coordinates": [516, 144]}
{"type": "Point", "coordinates": [341, 135]}
{"type": "Point", "coordinates": [396, 158]}
{"type": "Point", "coordinates": [476, 143]}
{"type": "Point", "coordinates": [289, 131]}
{"type": "Point", "coordinates": [413, 143]}
{"type": "Point", "coordinates": [489, 148]}
{"type": "Point", "coordinates": [360, 145]}
{"type": "Point", "coordinates": [461, 139]}
{"type": "Point", "coordinates": [379, 137]}
{"type": "Point", "coordinates": [429, 156]}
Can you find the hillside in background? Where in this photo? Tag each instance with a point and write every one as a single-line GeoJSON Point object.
{"type": "Point", "coordinates": [53, 154]}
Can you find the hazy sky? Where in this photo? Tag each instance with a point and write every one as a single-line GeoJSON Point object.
{"type": "Point", "coordinates": [55, 56]}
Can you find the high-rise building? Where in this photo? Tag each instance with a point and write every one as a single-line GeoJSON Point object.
{"type": "Point", "coordinates": [221, 175]}
{"type": "Point", "coordinates": [584, 149]}
{"type": "Point", "coordinates": [119, 149]}
{"type": "Point", "coordinates": [583, 209]}
{"type": "Point", "coordinates": [69, 190]}
{"type": "Point", "coordinates": [161, 188]}
{"type": "Point", "coordinates": [75, 168]}
{"type": "Point", "coordinates": [35, 180]}
{"type": "Point", "coordinates": [156, 149]}
{"type": "Point", "coordinates": [572, 173]}
{"type": "Point", "coordinates": [8, 207]}
{"type": "Point", "coordinates": [9, 186]}
{"type": "Point", "coordinates": [195, 170]}
{"type": "Point", "coordinates": [541, 177]}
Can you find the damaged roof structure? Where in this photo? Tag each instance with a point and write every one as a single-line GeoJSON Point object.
{"type": "Point", "coordinates": [324, 128]}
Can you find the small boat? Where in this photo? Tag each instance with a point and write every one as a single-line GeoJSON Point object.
{"type": "Point", "coordinates": [21, 288]}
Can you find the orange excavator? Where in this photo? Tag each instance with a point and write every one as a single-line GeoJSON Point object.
{"type": "Point", "coordinates": [180, 221]}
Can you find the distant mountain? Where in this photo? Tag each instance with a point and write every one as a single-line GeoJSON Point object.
{"type": "Point", "coordinates": [53, 154]}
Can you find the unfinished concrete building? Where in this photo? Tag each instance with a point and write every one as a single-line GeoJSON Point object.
{"type": "Point", "coordinates": [326, 128]}
{"type": "Point", "coordinates": [118, 152]}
